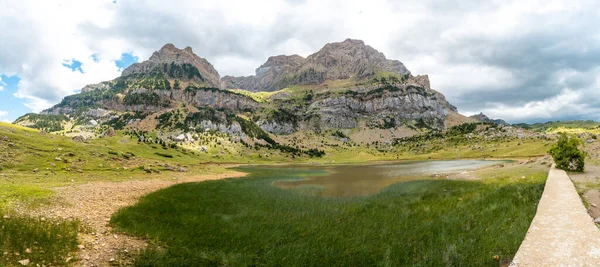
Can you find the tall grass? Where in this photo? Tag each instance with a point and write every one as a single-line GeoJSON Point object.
{"type": "Point", "coordinates": [247, 222]}
{"type": "Point", "coordinates": [43, 242]}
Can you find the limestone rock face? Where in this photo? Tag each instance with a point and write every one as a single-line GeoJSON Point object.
{"type": "Point", "coordinates": [276, 127]}
{"type": "Point", "coordinates": [270, 76]}
{"type": "Point", "coordinates": [170, 54]}
{"type": "Point", "coordinates": [343, 60]}
{"type": "Point", "coordinates": [347, 59]}
{"type": "Point", "coordinates": [416, 103]}
{"type": "Point", "coordinates": [92, 87]}
{"type": "Point", "coordinates": [232, 129]}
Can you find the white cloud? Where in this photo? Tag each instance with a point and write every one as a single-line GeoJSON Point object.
{"type": "Point", "coordinates": [3, 116]}
{"type": "Point", "coordinates": [524, 55]}
{"type": "Point", "coordinates": [2, 84]}
{"type": "Point", "coordinates": [567, 101]}
{"type": "Point", "coordinates": [40, 36]}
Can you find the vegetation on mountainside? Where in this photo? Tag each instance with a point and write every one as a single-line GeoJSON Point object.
{"type": "Point", "coordinates": [121, 121]}
{"type": "Point", "coordinates": [146, 99]}
{"type": "Point", "coordinates": [280, 116]}
{"type": "Point", "coordinates": [567, 155]}
{"type": "Point", "coordinates": [244, 222]}
{"type": "Point", "coordinates": [471, 140]}
{"type": "Point", "coordinates": [46, 122]}
{"type": "Point", "coordinates": [88, 100]}
{"type": "Point", "coordinates": [182, 71]}
{"type": "Point", "coordinates": [260, 97]}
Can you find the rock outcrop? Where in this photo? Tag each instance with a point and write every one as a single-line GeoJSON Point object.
{"type": "Point", "coordinates": [270, 76]}
{"type": "Point", "coordinates": [409, 103]}
{"type": "Point", "coordinates": [482, 117]}
{"type": "Point", "coordinates": [343, 60]}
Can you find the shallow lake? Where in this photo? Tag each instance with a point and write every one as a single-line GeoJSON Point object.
{"type": "Point", "coordinates": [367, 179]}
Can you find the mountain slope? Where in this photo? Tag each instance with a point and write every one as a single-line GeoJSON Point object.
{"type": "Point", "coordinates": [346, 86]}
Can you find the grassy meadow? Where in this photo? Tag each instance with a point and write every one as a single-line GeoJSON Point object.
{"type": "Point", "coordinates": [383, 229]}
{"type": "Point", "coordinates": [36, 240]}
{"type": "Point", "coordinates": [249, 222]}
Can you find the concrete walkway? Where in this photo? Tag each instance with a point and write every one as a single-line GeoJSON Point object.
{"type": "Point", "coordinates": [561, 233]}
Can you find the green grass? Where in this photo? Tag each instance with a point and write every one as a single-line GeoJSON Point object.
{"type": "Point", "coordinates": [58, 161]}
{"type": "Point", "coordinates": [553, 127]}
{"type": "Point", "coordinates": [248, 222]}
{"type": "Point", "coordinates": [260, 97]}
{"type": "Point", "coordinates": [43, 242]}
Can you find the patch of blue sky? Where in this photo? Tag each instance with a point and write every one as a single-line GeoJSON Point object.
{"type": "Point", "coordinates": [126, 60]}
{"type": "Point", "coordinates": [73, 64]}
{"type": "Point", "coordinates": [10, 104]}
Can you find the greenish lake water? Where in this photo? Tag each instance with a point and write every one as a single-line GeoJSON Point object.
{"type": "Point", "coordinates": [362, 179]}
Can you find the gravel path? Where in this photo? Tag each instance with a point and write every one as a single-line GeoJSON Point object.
{"type": "Point", "coordinates": [95, 203]}
{"type": "Point", "coordinates": [562, 233]}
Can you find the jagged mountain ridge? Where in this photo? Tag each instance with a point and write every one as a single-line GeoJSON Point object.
{"type": "Point", "coordinates": [170, 54]}
{"type": "Point", "coordinates": [484, 118]}
{"type": "Point", "coordinates": [177, 91]}
{"type": "Point", "coordinates": [343, 60]}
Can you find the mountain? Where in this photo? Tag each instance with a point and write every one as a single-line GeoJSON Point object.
{"type": "Point", "coordinates": [482, 117]}
{"type": "Point", "coordinates": [347, 88]}
{"type": "Point", "coordinates": [343, 60]}
{"type": "Point", "coordinates": [177, 63]}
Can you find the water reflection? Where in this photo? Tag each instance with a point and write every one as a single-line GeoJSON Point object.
{"type": "Point", "coordinates": [360, 180]}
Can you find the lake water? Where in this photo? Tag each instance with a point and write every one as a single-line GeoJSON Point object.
{"type": "Point", "coordinates": [360, 180]}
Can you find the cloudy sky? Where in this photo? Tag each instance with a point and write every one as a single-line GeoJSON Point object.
{"type": "Point", "coordinates": [522, 61]}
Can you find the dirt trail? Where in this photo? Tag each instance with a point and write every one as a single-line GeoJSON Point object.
{"type": "Point", "coordinates": [562, 233]}
{"type": "Point", "coordinates": [95, 203]}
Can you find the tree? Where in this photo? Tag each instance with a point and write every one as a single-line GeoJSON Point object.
{"type": "Point", "coordinates": [567, 155]}
{"type": "Point", "coordinates": [393, 80]}
{"type": "Point", "coordinates": [383, 81]}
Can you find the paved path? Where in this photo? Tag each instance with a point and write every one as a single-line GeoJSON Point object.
{"type": "Point", "coordinates": [561, 233]}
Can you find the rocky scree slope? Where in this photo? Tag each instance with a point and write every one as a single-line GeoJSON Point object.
{"type": "Point", "coordinates": [176, 91]}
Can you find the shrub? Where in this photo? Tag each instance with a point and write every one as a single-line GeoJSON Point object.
{"type": "Point", "coordinates": [567, 155]}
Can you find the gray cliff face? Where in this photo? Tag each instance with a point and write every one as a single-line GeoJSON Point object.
{"type": "Point", "coordinates": [170, 54]}
{"type": "Point", "coordinates": [234, 128]}
{"type": "Point", "coordinates": [379, 106]}
{"type": "Point", "coordinates": [343, 60]}
{"type": "Point", "coordinates": [349, 59]}
{"type": "Point", "coordinates": [270, 76]}
{"type": "Point", "coordinates": [276, 127]}
{"type": "Point", "coordinates": [416, 104]}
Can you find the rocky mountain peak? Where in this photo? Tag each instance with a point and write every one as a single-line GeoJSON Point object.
{"type": "Point", "coordinates": [341, 60]}
{"type": "Point", "coordinates": [352, 58]}
{"type": "Point", "coordinates": [277, 63]}
{"type": "Point", "coordinates": [484, 118]}
{"type": "Point", "coordinates": [168, 54]}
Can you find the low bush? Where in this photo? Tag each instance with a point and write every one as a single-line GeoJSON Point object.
{"type": "Point", "coordinates": [567, 155]}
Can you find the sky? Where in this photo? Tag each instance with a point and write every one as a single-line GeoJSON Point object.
{"type": "Point", "coordinates": [522, 61]}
